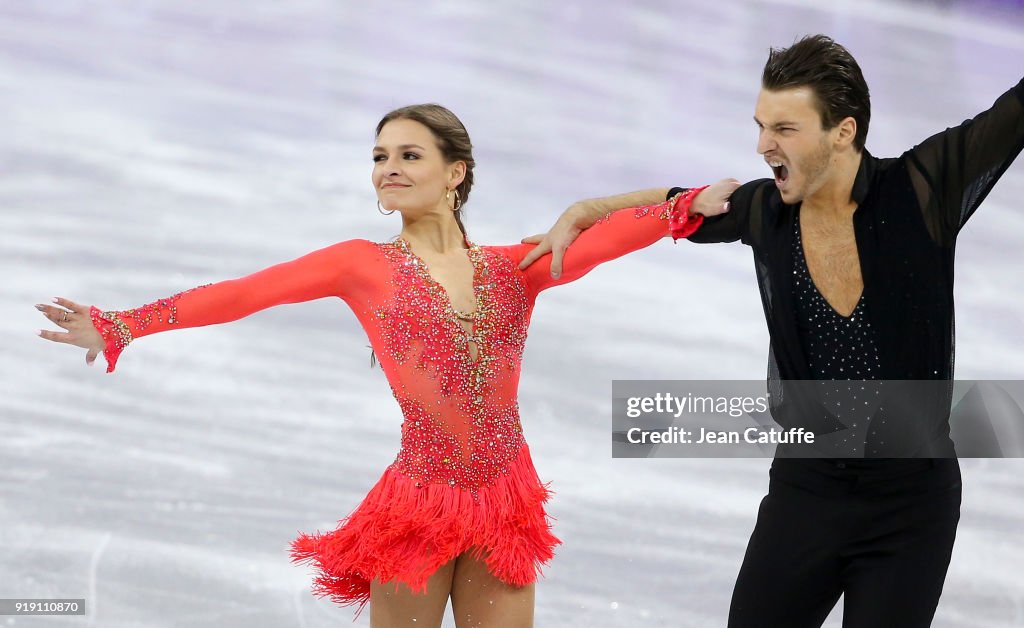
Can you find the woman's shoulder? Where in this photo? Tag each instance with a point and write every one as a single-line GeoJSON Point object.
{"type": "Point", "coordinates": [350, 254]}
{"type": "Point", "coordinates": [357, 246]}
{"type": "Point", "coordinates": [511, 252]}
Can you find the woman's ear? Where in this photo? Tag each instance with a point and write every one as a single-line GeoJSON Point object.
{"type": "Point", "coordinates": [456, 173]}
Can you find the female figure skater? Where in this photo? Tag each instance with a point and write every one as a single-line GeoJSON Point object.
{"type": "Point", "coordinates": [460, 513]}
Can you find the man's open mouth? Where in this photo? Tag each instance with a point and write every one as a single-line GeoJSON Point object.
{"type": "Point", "coordinates": [780, 170]}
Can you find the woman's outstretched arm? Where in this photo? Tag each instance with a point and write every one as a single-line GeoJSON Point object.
{"type": "Point", "coordinates": [330, 271]}
{"type": "Point", "coordinates": [583, 214]}
{"type": "Point", "coordinates": [600, 236]}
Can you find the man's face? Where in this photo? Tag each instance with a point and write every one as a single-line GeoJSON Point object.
{"type": "Point", "coordinates": [792, 141]}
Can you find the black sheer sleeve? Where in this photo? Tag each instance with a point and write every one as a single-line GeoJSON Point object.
{"type": "Point", "coordinates": [741, 222]}
{"type": "Point", "coordinates": [953, 171]}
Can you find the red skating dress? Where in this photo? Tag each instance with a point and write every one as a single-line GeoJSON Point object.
{"type": "Point", "coordinates": [463, 478]}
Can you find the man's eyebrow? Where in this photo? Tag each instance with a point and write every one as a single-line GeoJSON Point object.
{"type": "Point", "coordinates": [777, 124]}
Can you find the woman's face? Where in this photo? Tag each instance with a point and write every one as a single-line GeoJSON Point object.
{"type": "Point", "coordinates": [409, 172]}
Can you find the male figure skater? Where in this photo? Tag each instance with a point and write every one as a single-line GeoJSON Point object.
{"type": "Point", "coordinates": [854, 259]}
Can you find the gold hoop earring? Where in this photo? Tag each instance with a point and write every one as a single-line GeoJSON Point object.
{"type": "Point", "coordinates": [458, 201]}
{"type": "Point", "coordinates": [381, 210]}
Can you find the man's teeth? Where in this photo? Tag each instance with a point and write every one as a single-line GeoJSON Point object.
{"type": "Point", "coordinates": [779, 170]}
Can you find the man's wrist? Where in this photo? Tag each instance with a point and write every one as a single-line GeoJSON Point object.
{"type": "Point", "coordinates": [583, 214]}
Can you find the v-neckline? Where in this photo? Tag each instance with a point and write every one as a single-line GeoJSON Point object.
{"type": "Point", "coordinates": [471, 253]}
{"type": "Point", "coordinates": [423, 270]}
{"type": "Point", "coordinates": [810, 278]}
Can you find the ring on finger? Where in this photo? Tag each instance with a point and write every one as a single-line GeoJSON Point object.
{"type": "Point", "coordinates": [64, 319]}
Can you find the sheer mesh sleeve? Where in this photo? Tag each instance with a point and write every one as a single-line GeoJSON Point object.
{"type": "Point", "coordinates": [613, 236]}
{"type": "Point", "coordinates": [331, 271]}
{"type": "Point", "coordinates": [741, 222]}
{"type": "Point", "coordinates": [953, 171]}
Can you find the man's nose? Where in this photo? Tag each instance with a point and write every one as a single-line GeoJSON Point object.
{"type": "Point", "coordinates": [765, 142]}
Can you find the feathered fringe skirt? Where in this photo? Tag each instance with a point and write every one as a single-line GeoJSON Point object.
{"type": "Point", "coordinates": [403, 533]}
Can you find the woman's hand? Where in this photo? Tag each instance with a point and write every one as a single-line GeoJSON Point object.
{"type": "Point", "coordinates": [714, 199]}
{"type": "Point", "coordinates": [74, 318]}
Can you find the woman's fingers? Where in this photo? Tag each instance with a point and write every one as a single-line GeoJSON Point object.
{"type": "Point", "coordinates": [55, 314]}
{"type": "Point", "coordinates": [56, 336]}
{"type": "Point", "coordinates": [75, 319]}
{"type": "Point", "coordinates": [71, 338]}
{"type": "Point", "coordinates": [71, 305]}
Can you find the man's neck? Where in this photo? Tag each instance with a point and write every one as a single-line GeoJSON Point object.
{"type": "Point", "coordinates": [834, 199]}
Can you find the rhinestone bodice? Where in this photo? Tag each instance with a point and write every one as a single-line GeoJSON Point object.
{"type": "Point", "coordinates": [461, 418]}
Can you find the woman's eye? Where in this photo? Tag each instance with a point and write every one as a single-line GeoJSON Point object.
{"type": "Point", "coordinates": [379, 157]}
{"type": "Point", "coordinates": [411, 156]}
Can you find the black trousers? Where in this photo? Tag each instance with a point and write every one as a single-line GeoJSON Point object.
{"type": "Point", "coordinates": [879, 531]}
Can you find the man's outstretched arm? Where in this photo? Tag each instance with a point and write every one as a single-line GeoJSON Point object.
{"type": "Point", "coordinates": [953, 171]}
{"type": "Point", "coordinates": [583, 214]}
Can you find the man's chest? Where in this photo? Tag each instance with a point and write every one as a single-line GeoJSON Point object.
{"type": "Point", "coordinates": [833, 262]}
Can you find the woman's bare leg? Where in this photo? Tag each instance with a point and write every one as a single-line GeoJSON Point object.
{"type": "Point", "coordinates": [398, 607]}
{"type": "Point", "coordinates": [480, 600]}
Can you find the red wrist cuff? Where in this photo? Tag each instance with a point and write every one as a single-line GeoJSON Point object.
{"type": "Point", "coordinates": [115, 334]}
{"type": "Point", "coordinates": [680, 222]}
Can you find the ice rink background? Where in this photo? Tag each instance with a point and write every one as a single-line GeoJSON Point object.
{"type": "Point", "coordinates": [151, 146]}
